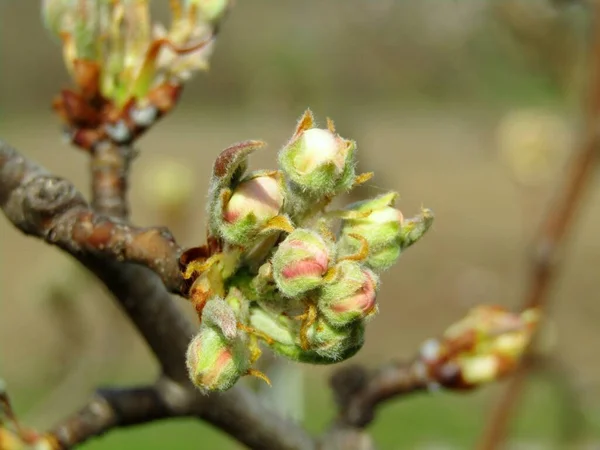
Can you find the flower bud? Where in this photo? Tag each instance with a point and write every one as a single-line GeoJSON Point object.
{"type": "Point", "coordinates": [214, 363]}
{"type": "Point", "coordinates": [350, 296]}
{"type": "Point", "coordinates": [300, 262]}
{"type": "Point", "coordinates": [414, 228]}
{"type": "Point", "coordinates": [484, 346]}
{"type": "Point", "coordinates": [380, 224]}
{"type": "Point", "coordinates": [334, 344]}
{"type": "Point", "coordinates": [253, 202]}
{"type": "Point", "coordinates": [318, 162]}
{"type": "Point", "coordinates": [211, 11]}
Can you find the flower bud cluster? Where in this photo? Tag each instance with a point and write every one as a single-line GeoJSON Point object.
{"type": "Point", "coordinates": [274, 271]}
{"type": "Point", "coordinates": [482, 347]}
{"type": "Point", "coordinates": [128, 71]}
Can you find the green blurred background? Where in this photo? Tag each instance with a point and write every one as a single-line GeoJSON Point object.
{"type": "Point", "coordinates": [469, 107]}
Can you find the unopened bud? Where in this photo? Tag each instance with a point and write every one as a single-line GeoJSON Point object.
{"type": "Point", "coordinates": [484, 346]}
{"type": "Point", "coordinates": [318, 161]}
{"type": "Point", "coordinates": [214, 363]}
{"type": "Point", "coordinates": [334, 344]}
{"type": "Point", "coordinates": [379, 223]}
{"type": "Point", "coordinates": [300, 262]}
{"type": "Point", "coordinates": [211, 11]}
{"type": "Point", "coordinates": [414, 228]}
{"type": "Point", "coordinates": [252, 204]}
{"type": "Point", "coordinates": [350, 296]}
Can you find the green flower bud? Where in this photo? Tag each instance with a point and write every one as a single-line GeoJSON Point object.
{"type": "Point", "coordinates": [318, 162]}
{"type": "Point", "coordinates": [214, 362]}
{"type": "Point", "coordinates": [414, 228]}
{"type": "Point", "coordinates": [256, 200]}
{"type": "Point", "coordinates": [379, 224]}
{"type": "Point", "coordinates": [350, 296]}
{"type": "Point", "coordinates": [335, 344]}
{"type": "Point", "coordinates": [211, 11]}
{"type": "Point", "coordinates": [300, 262]}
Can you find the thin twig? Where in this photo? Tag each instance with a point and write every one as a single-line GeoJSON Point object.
{"type": "Point", "coordinates": [109, 167]}
{"type": "Point", "coordinates": [109, 409]}
{"type": "Point", "coordinates": [547, 248]}
{"type": "Point", "coordinates": [359, 392]}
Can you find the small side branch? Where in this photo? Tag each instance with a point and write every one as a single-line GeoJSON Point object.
{"type": "Point", "coordinates": [359, 392]}
{"type": "Point", "coordinates": [108, 409]}
{"type": "Point", "coordinates": [110, 170]}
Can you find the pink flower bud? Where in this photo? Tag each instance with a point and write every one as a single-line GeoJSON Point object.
{"type": "Point", "coordinates": [300, 262]}
{"type": "Point", "coordinates": [351, 296]}
{"type": "Point", "coordinates": [261, 197]}
{"type": "Point", "coordinates": [213, 362]}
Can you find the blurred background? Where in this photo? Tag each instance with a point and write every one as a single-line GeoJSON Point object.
{"type": "Point", "coordinates": [469, 107]}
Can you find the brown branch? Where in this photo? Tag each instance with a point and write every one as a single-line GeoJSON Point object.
{"type": "Point", "coordinates": [109, 166]}
{"type": "Point", "coordinates": [359, 392]}
{"type": "Point", "coordinates": [48, 207]}
{"type": "Point", "coordinates": [551, 238]}
{"type": "Point", "coordinates": [108, 409]}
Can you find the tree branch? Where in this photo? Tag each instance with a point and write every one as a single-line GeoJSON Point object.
{"type": "Point", "coordinates": [358, 392]}
{"type": "Point", "coordinates": [547, 247]}
{"type": "Point", "coordinates": [109, 166]}
{"type": "Point", "coordinates": [108, 409]}
{"type": "Point", "coordinates": [50, 207]}
{"type": "Point", "coordinates": [45, 206]}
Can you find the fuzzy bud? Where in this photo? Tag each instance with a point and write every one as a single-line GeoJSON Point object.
{"type": "Point", "coordinates": [414, 228]}
{"type": "Point", "coordinates": [215, 363]}
{"type": "Point", "coordinates": [350, 296]}
{"type": "Point", "coordinates": [335, 344]}
{"type": "Point", "coordinates": [317, 161]}
{"type": "Point", "coordinates": [379, 223]}
{"type": "Point", "coordinates": [253, 202]}
{"type": "Point", "coordinates": [300, 262]}
{"type": "Point", "coordinates": [219, 314]}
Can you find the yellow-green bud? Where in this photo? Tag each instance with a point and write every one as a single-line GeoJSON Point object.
{"type": "Point", "coordinates": [318, 162]}
{"type": "Point", "coordinates": [211, 11]}
{"type": "Point", "coordinates": [379, 223]}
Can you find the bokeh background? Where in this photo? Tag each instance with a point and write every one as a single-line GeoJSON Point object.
{"type": "Point", "coordinates": [469, 107]}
